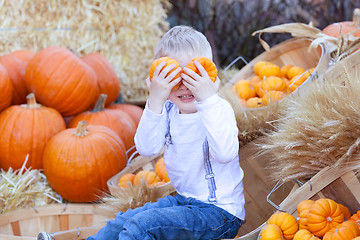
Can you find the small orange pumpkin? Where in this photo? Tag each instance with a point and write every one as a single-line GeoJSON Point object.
{"type": "Point", "coordinates": [273, 96]}
{"type": "Point", "coordinates": [303, 210]}
{"type": "Point", "coordinates": [286, 222]}
{"type": "Point", "coordinates": [293, 71]}
{"type": "Point", "coordinates": [271, 232]}
{"type": "Point", "coordinates": [346, 212]}
{"type": "Point", "coordinates": [344, 231]}
{"type": "Point", "coordinates": [270, 70]}
{"type": "Point", "coordinates": [169, 61]}
{"type": "Point", "coordinates": [148, 176]}
{"type": "Point", "coordinates": [244, 89]}
{"type": "Point", "coordinates": [208, 65]}
{"type": "Point", "coordinates": [356, 218]}
{"type": "Point", "coordinates": [160, 170]}
{"type": "Point", "coordinates": [259, 65]}
{"type": "Point", "coordinates": [304, 234]}
{"type": "Point", "coordinates": [273, 83]}
{"type": "Point", "coordinates": [285, 69]}
{"type": "Point", "coordinates": [324, 215]}
{"type": "Point", "coordinates": [126, 179]}
{"type": "Point", "coordinates": [254, 102]}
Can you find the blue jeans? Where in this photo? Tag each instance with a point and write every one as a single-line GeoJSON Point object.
{"type": "Point", "coordinates": [171, 218]}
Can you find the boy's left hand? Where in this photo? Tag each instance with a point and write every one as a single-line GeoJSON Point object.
{"type": "Point", "coordinates": [200, 84]}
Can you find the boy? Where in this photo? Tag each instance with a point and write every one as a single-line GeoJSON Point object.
{"type": "Point", "coordinates": [199, 132]}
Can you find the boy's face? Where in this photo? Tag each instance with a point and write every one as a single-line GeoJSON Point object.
{"type": "Point", "coordinates": [183, 97]}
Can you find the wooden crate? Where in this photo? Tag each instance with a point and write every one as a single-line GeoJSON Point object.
{"type": "Point", "coordinates": [21, 224]}
{"type": "Point", "coordinates": [338, 183]}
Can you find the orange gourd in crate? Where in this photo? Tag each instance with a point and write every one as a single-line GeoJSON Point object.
{"type": "Point", "coordinates": [126, 179]}
{"type": "Point", "coordinates": [160, 170]}
{"type": "Point", "coordinates": [304, 234]}
{"type": "Point", "coordinates": [148, 176]}
{"type": "Point", "coordinates": [347, 230]}
{"type": "Point", "coordinates": [286, 222]}
{"type": "Point", "coordinates": [271, 232]}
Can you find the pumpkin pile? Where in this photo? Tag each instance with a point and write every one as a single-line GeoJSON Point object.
{"type": "Point", "coordinates": [58, 109]}
{"type": "Point", "coordinates": [270, 83]}
{"type": "Point", "coordinates": [152, 178]}
{"type": "Point", "coordinates": [321, 219]}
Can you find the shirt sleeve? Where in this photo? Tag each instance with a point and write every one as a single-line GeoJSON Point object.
{"type": "Point", "coordinates": [150, 133]}
{"type": "Point", "coordinates": [221, 129]}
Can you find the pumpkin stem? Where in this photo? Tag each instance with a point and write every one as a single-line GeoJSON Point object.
{"type": "Point", "coordinates": [356, 17]}
{"type": "Point", "coordinates": [31, 101]}
{"type": "Point", "coordinates": [329, 219]}
{"type": "Point", "coordinates": [100, 104]}
{"type": "Point", "coordinates": [81, 129]}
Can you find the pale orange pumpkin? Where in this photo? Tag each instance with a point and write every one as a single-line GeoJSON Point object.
{"type": "Point", "coordinates": [273, 83]}
{"type": "Point", "coordinates": [303, 210]}
{"type": "Point", "coordinates": [345, 27]}
{"type": "Point", "coordinates": [347, 230]}
{"type": "Point", "coordinates": [270, 70]}
{"type": "Point", "coordinates": [126, 179]}
{"type": "Point", "coordinates": [244, 89]}
{"type": "Point", "coordinates": [293, 71]}
{"type": "Point", "coordinates": [208, 65]}
{"type": "Point", "coordinates": [273, 96]}
{"type": "Point", "coordinates": [254, 102]}
{"type": "Point", "coordinates": [304, 234]}
{"type": "Point", "coordinates": [6, 88]}
{"type": "Point", "coordinates": [271, 232]}
{"type": "Point", "coordinates": [259, 65]}
{"type": "Point", "coordinates": [160, 170]}
{"type": "Point", "coordinates": [24, 130]}
{"type": "Point", "coordinates": [146, 175]}
{"type": "Point", "coordinates": [15, 64]}
{"type": "Point", "coordinates": [324, 215]}
{"type": "Point", "coordinates": [106, 77]}
{"type": "Point", "coordinates": [79, 161]}
{"type": "Point", "coordinates": [285, 69]}
{"type": "Point", "coordinates": [286, 222]}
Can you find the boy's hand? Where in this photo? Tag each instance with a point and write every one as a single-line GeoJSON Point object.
{"type": "Point", "coordinates": [160, 86]}
{"type": "Point", "coordinates": [200, 85]}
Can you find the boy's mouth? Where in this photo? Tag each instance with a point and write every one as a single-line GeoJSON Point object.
{"type": "Point", "coordinates": [186, 97]}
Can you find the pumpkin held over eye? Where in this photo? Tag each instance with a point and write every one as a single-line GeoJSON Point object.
{"type": "Point", "coordinates": [208, 65]}
{"type": "Point", "coordinates": [169, 61]}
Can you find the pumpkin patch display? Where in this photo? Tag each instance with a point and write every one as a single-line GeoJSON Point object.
{"type": "Point", "coordinates": [15, 64]}
{"type": "Point", "coordinates": [61, 80]}
{"type": "Point", "coordinates": [115, 119]}
{"type": "Point", "coordinates": [24, 130]}
{"type": "Point", "coordinates": [79, 161]}
{"type": "Point", "coordinates": [107, 80]}
{"type": "Point", "coordinates": [271, 83]}
{"type": "Point", "coordinates": [6, 88]}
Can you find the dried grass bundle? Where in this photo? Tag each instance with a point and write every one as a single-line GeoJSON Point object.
{"type": "Point", "coordinates": [25, 188]}
{"type": "Point", "coordinates": [319, 127]}
{"type": "Point", "coordinates": [131, 197]}
{"type": "Point", "coordinates": [125, 31]}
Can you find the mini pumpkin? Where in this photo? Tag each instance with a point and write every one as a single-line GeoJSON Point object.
{"type": "Point", "coordinates": [273, 96]}
{"type": "Point", "coordinates": [126, 179]}
{"type": "Point", "coordinates": [293, 71]}
{"type": "Point", "coordinates": [324, 215]}
{"type": "Point", "coordinates": [270, 70]}
{"type": "Point", "coordinates": [304, 234]}
{"type": "Point", "coordinates": [285, 69]}
{"type": "Point", "coordinates": [146, 175]}
{"type": "Point", "coordinates": [259, 65]}
{"type": "Point", "coordinates": [346, 212]}
{"type": "Point", "coordinates": [356, 218]}
{"type": "Point", "coordinates": [254, 102]}
{"type": "Point", "coordinates": [273, 83]}
{"type": "Point", "coordinates": [347, 230]}
{"type": "Point", "coordinates": [286, 222]}
{"type": "Point", "coordinates": [303, 210]}
{"type": "Point", "coordinates": [244, 89]}
{"type": "Point", "coordinates": [169, 61]}
{"type": "Point", "coordinates": [271, 232]}
{"type": "Point", "coordinates": [208, 65]}
{"type": "Point", "coordinates": [160, 170]}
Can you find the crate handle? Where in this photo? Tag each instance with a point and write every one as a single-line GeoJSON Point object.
{"type": "Point", "coordinates": [129, 159]}
{"type": "Point", "coordinates": [232, 63]}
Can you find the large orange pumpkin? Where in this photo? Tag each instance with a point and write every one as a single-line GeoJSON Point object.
{"type": "Point", "coordinates": [78, 162]}
{"type": "Point", "coordinates": [345, 26]}
{"type": "Point", "coordinates": [25, 129]}
{"type": "Point", "coordinates": [208, 65]}
{"type": "Point", "coordinates": [324, 215]}
{"type": "Point", "coordinates": [134, 111]}
{"type": "Point", "coordinates": [107, 80]}
{"type": "Point", "coordinates": [6, 88]}
{"type": "Point", "coordinates": [61, 80]}
{"type": "Point", "coordinates": [15, 64]}
{"type": "Point", "coordinates": [115, 119]}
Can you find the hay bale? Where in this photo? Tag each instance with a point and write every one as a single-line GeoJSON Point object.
{"type": "Point", "coordinates": [319, 127]}
{"type": "Point", "coordinates": [124, 31]}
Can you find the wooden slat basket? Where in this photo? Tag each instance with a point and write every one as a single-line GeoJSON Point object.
{"type": "Point", "coordinates": [137, 164]}
{"type": "Point", "coordinates": [338, 183]}
{"type": "Point", "coordinates": [61, 221]}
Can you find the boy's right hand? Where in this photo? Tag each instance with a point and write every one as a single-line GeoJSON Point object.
{"type": "Point", "coordinates": [160, 86]}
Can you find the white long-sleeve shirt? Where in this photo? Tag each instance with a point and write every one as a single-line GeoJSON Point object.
{"type": "Point", "coordinates": [184, 158]}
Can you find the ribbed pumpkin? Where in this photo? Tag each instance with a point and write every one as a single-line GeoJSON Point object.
{"type": "Point", "coordinates": [356, 218]}
{"type": "Point", "coordinates": [61, 80]}
{"type": "Point", "coordinates": [244, 89]}
{"type": "Point", "coordinates": [345, 26]}
{"type": "Point", "coordinates": [270, 70]}
{"type": "Point", "coordinates": [25, 129]}
{"type": "Point", "coordinates": [346, 212]}
{"type": "Point", "coordinates": [271, 232]}
{"type": "Point", "coordinates": [303, 210]}
{"type": "Point", "coordinates": [79, 161]}
{"type": "Point", "coordinates": [134, 111]}
{"type": "Point", "coordinates": [169, 61]}
{"type": "Point", "coordinates": [347, 230]}
{"type": "Point", "coordinates": [286, 222]}
{"type": "Point", "coordinates": [259, 65]}
{"type": "Point", "coordinates": [146, 175]}
{"type": "Point", "coordinates": [304, 234]}
{"type": "Point", "coordinates": [254, 102]}
{"type": "Point", "coordinates": [126, 179]}
{"type": "Point", "coordinates": [324, 215]}
{"type": "Point", "coordinates": [208, 65]}
{"type": "Point", "coordinates": [15, 64]}
{"type": "Point", "coordinates": [115, 119]}
{"type": "Point", "coordinates": [6, 88]}
{"type": "Point", "coordinates": [160, 170]}
{"type": "Point", "coordinates": [273, 83]}
{"type": "Point", "coordinates": [107, 80]}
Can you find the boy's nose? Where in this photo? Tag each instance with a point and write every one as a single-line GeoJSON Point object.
{"type": "Point", "coordinates": [182, 86]}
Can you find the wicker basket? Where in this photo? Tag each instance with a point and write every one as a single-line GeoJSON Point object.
{"type": "Point", "coordinates": [251, 121]}
{"type": "Point", "coordinates": [137, 164]}
{"type": "Point", "coordinates": [338, 183]}
{"type": "Point", "coordinates": [80, 220]}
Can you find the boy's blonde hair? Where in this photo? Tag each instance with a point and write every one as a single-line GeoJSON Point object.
{"type": "Point", "coordinates": [183, 39]}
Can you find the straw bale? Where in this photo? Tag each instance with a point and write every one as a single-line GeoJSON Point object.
{"type": "Point", "coordinates": [25, 188]}
{"type": "Point", "coordinates": [124, 31]}
{"type": "Point", "coordinates": [319, 127]}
